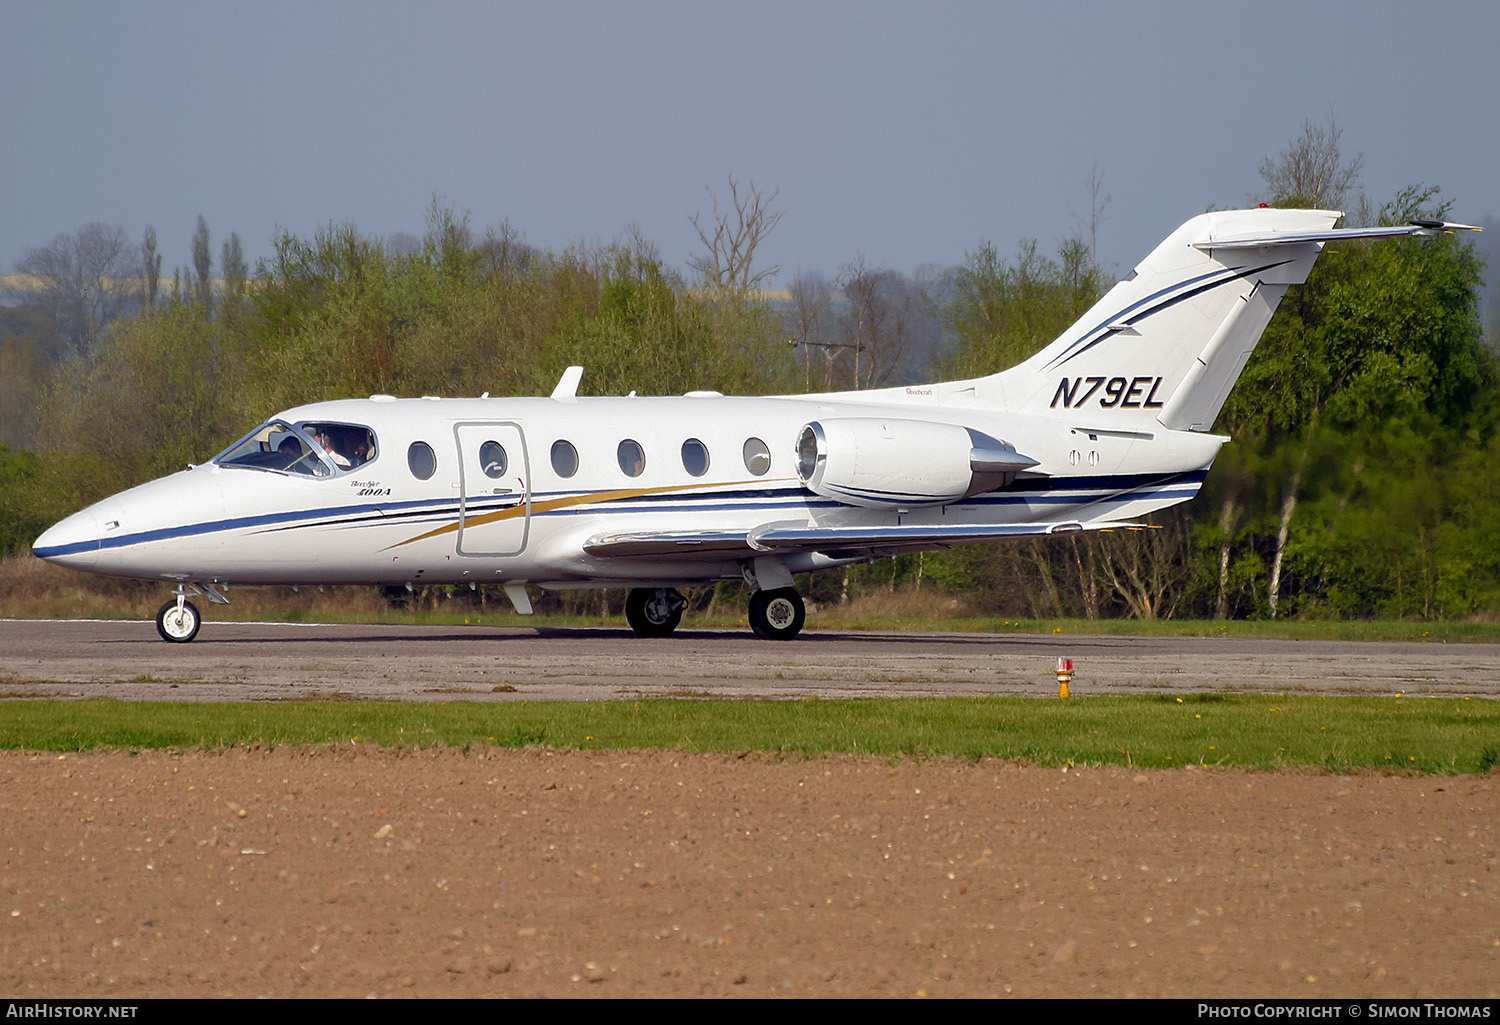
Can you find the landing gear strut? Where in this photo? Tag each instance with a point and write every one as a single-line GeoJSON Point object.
{"type": "Point", "coordinates": [178, 620]}
{"type": "Point", "coordinates": [654, 612]}
{"type": "Point", "coordinates": [777, 615]}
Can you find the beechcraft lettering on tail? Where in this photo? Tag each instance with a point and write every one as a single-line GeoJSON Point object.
{"type": "Point", "coordinates": [656, 494]}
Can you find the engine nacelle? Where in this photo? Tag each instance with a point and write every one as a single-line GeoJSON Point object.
{"type": "Point", "coordinates": [880, 463]}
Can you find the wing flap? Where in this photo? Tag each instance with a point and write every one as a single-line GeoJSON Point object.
{"type": "Point", "coordinates": [692, 544]}
{"type": "Point", "coordinates": [840, 542]}
{"type": "Point", "coordinates": [779, 537]}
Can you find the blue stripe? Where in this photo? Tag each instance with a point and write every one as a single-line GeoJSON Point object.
{"type": "Point", "coordinates": [373, 512]}
{"type": "Point", "coordinates": [1103, 328]}
{"type": "Point", "coordinates": [1041, 491]}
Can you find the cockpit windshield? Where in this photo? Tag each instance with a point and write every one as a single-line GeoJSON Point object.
{"type": "Point", "coordinates": [313, 449]}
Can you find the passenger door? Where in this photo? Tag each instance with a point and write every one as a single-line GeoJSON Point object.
{"type": "Point", "coordinates": [494, 496]}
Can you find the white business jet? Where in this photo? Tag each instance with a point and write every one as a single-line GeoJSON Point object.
{"type": "Point", "coordinates": [1109, 422]}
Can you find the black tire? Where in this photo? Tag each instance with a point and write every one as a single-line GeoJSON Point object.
{"type": "Point", "coordinates": [654, 612]}
{"type": "Point", "coordinates": [179, 629]}
{"type": "Point", "coordinates": [777, 615]}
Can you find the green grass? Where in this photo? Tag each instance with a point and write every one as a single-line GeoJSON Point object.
{"type": "Point", "coordinates": [1437, 735]}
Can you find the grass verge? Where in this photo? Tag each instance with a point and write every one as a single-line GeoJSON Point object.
{"type": "Point", "coordinates": [1435, 735]}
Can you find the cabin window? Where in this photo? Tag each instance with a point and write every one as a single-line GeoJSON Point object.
{"type": "Point", "coordinates": [632, 458]}
{"type": "Point", "coordinates": [421, 459]}
{"type": "Point", "coordinates": [492, 459]}
{"type": "Point", "coordinates": [757, 457]}
{"type": "Point", "coordinates": [695, 457]}
{"type": "Point", "coordinates": [564, 458]}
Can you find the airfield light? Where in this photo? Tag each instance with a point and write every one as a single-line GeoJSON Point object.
{"type": "Point", "coordinates": [1064, 675]}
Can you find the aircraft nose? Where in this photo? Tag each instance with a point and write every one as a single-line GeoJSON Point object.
{"type": "Point", "coordinates": [74, 542]}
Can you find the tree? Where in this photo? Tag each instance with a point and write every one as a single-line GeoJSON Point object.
{"type": "Point", "coordinates": [1098, 203]}
{"type": "Point", "coordinates": [232, 260]}
{"type": "Point", "coordinates": [504, 252]}
{"type": "Point", "coordinates": [1311, 171]}
{"type": "Point", "coordinates": [203, 264]}
{"type": "Point", "coordinates": [449, 239]}
{"type": "Point", "coordinates": [164, 390]}
{"type": "Point", "coordinates": [809, 323]}
{"type": "Point", "coordinates": [646, 334]}
{"type": "Point", "coordinates": [1381, 343]}
{"type": "Point", "coordinates": [21, 500]}
{"type": "Point", "coordinates": [877, 323]}
{"type": "Point", "coordinates": [28, 348]}
{"type": "Point", "coordinates": [150, 270]}
{"type": "Point", "coordinates": [83, 282]}
{"type": "Point", "coordinates": [1002, 311]}
{"type": "Point", "coordinates": [727, 262]}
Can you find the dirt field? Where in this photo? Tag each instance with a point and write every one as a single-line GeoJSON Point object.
{"type": "Point", "coordinates": [352, 872]}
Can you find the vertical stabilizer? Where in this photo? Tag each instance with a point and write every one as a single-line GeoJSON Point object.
{"type": "Point", "coordinates": [1164, 347]}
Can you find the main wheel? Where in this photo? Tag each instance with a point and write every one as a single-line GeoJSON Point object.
{"type": "Point", "coordinates": [178, 625]}
{"type": "Point", "coordinates": [777, 615]}
{"type": "Point", "coordinates": [654, 612]}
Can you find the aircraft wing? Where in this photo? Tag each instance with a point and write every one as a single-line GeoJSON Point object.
{"type": "Point", "coordinates": [699, 544]}
{"type": "Point", "coordinates": [1255, 241]}
{"type": "Point", "coordinates": [837, 542]}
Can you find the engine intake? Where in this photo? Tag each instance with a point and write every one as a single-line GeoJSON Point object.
{"type": "Point", "coordinates": [879, 463]}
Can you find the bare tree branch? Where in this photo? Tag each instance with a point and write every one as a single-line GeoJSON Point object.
{"type": "Point", "coordinates": [86, 279]}
{"type": "Point", "coordinates": [732, 237]}
{"type": "Point", "coordinates": [1311, 171]}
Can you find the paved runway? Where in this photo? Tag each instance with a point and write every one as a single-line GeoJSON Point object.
{"type": "Point", "coordinates": [280, 661]}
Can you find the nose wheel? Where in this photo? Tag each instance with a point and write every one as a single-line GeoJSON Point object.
{"type": "Point", "coordinates": [178, 621]}
{"type": "Point", "coordinates": [654, 612]}
{"type": "Point", "coordinates": [777, 615]}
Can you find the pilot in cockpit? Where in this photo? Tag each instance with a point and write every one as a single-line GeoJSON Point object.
{"type": "Point", "coordinates": [339, 459]}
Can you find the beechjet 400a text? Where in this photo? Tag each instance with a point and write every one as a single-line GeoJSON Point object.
{"type": "Point", "coordinates": [1109, 422]}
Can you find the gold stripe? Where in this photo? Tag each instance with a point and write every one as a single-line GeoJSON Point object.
{"type": "Point", "coordinates": [563, 503]}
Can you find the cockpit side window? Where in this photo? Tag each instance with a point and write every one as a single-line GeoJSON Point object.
{"type": "Point", "coordinates": [313, 450]}
{"type": "Point", "coordinates": [344, 445]}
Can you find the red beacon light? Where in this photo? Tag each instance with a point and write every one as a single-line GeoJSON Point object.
{"type": "Point", "coordinates": [1064, 676]}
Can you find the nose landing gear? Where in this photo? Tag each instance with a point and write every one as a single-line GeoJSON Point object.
{"type": "Point", "coordinates": [178, 620]}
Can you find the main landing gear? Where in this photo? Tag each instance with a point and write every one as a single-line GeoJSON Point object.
{"type": "Point", "coordinates": [654, 612]}
{"type": "Point", "coordinates": [776, 609]}
{"type": "Point", "coordinates": [777, 615]}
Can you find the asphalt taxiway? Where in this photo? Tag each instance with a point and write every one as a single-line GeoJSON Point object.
{"type": "Point", "coordinates": [281, 661]}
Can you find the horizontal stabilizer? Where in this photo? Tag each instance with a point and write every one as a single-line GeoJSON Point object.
{"type": "Point", "coordinates": [1261, 239]}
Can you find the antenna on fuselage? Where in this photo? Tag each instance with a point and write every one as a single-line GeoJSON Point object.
{"type": "Point", "coordinates": [567, 384]}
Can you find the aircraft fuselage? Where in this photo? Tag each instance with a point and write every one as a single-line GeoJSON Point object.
{"type": "Point", "coordinates": [379, 523]}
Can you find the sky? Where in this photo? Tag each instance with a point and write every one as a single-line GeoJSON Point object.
{"type": "Point", "coordinates": [904, 133]}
